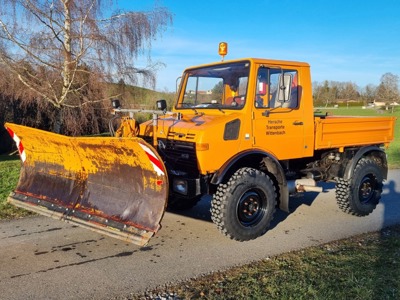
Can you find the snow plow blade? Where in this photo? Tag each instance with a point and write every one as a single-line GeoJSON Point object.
{"type": "Point", "coordinates": [115, 186]}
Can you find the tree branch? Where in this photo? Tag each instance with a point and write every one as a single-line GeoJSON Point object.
{"type": "Point", "coordinates": [24, 48]}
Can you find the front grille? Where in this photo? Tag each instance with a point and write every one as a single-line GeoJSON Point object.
{"type": "Point", "coordinates": [179, 155]}
{"type": "Point", "coordinates": [187, 136]}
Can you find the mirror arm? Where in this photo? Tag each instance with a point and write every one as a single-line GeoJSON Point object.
{"type": "Point", "coordinates": [266, 113]}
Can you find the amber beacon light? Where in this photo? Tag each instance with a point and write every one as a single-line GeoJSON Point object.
{"type": "Point", "coordinates": [223, 49]}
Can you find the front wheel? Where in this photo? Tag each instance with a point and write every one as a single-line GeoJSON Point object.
{"type": "Point", "coordinates": [360, 194]}
{"type": "Point", "coordinates": [243, 208]}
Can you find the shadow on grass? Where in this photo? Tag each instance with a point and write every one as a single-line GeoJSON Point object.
{"type": "Point", "coordinates": [5, 157]}
{"type": "Point", "coordinates": [389, 288]}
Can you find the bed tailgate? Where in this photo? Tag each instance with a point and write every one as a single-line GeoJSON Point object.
{"type": "Point", "coordinates": [336, 131]}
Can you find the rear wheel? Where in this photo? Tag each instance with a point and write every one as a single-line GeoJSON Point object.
{"type": "Point", "coordinates": [361, 193]}
{"type": "Point", "coordinates": [243, 208]}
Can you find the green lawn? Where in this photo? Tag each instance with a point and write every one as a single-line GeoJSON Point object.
{"type": "Point", "coordinates": [9, 174]}
{"type": "Point", "coordinates": [365, 267]}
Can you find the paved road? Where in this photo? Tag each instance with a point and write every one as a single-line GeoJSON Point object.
{"type": "Point", "coordinates": [44, 258]}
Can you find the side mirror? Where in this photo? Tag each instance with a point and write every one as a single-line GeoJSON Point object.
{"type": "Point", "coordinates": [285, 84]}
{"type": "Point", "coordinates": [161, 104]}
{"type": "Point", "coordinates": [115, 103]}
{"type": "Point", "coordinates": [177, 84]}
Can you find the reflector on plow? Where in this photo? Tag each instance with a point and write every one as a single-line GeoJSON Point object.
{"type": "Point", "coordinates": [116, 186]}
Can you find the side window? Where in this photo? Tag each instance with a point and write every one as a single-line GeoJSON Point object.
{"type": "Point", "coordinates": [276, 88]}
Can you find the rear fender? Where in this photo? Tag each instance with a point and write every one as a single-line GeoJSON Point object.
{"type": "Point", "coordinates": [373, 151]}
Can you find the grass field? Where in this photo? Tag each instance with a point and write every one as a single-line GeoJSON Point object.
{"type": "Point", "coordinates": [365, 267]}
{"type": "Point", "coordinates": [9, 174]}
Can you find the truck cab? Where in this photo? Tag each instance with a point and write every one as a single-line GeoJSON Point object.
{"type": "Point", "coordinates": [271, 101]}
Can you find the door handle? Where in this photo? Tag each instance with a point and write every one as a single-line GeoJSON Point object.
{"type": "Point", "coordinates": [297, 123]}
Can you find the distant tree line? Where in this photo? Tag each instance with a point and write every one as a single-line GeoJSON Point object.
{"type": "Point", "coordinates": [386, 93]}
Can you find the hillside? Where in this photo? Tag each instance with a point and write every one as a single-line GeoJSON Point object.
{"type": "Point", "coordinates": [138, 97]}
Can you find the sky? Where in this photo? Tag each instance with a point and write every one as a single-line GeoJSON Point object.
{"type": "Point", "coordinates": [342, 40]}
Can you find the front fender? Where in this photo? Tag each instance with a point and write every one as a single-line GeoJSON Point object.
{"type": "Point", "coordinates": [253, 158]}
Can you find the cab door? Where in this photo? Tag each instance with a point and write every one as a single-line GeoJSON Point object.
{"type": "Point", "coordinates": [278, 125]}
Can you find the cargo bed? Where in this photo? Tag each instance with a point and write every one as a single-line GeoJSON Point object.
{"type": "Point", "coordinates": [339, 132]}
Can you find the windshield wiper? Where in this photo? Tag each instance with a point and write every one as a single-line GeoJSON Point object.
{"type": "Point", "coordinates": [218, 106]}
{"type": "Point", "coordinates": [195, 110]}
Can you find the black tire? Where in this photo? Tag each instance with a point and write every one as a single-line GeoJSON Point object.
{"type": "Point", "coordinates": [181, 203]}
{"type": "Point", "coordinates": [243, 208]}
{"type": "Point", "coordinates": [361, 193]}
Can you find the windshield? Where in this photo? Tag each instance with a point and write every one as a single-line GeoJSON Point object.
{"type": "Point", "coordinates": [221, 86]}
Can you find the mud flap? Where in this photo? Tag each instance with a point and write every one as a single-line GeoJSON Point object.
{"type": "Point", "coordinates": [116, 186]}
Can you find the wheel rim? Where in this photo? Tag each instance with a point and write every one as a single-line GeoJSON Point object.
{"type": "Point", "coordinates": [366, 191]}
{"type": "Point", "coordinates": [251, 207]}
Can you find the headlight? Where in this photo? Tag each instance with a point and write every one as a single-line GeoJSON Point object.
{"type": "Point", "coordinates": [180, 186]}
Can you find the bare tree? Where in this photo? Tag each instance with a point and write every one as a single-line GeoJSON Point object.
{"type": "Point", "coordinates": [60, 49]}
{"type": "Point", "coordinates": [388, 89]}
{"type": "Point", "coordinates": [347, 90]}
{"type": "Point", "coordinates": [325, 93]}
{"type": "Point", "coordinates": [369, 93]}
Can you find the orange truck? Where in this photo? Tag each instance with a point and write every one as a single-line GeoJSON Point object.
{"type": "Point", "coordinates": [243, 131]}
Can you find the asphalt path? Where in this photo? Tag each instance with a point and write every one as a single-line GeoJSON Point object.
{"type": "Point", "coordinates": [42, 258]}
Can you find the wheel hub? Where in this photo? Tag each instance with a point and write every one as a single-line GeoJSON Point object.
{"type": "Point", "coordinates": [251, 208]}
{"type": "Point", "coordinates": [367, 188]}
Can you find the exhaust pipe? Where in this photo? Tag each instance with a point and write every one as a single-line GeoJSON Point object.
{"type": "Point", "coordinates": [303, 185]}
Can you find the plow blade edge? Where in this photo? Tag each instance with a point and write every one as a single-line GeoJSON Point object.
{"type": "Point", "coordinates": [116, 186]}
